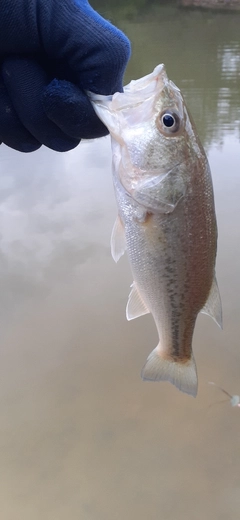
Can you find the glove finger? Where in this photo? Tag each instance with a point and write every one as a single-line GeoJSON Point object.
{"type": "Point", "coordinates": [70, 109]}
{"type": "Point", "coordinates": [94, 49]}
{"type": "Point", "coordinates": [25, 81]}
{"type": "Point", "coordinates": [12, 132]}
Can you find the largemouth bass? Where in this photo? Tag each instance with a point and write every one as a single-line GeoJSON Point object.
{"type": "Point", "coordinates": [166, 219]}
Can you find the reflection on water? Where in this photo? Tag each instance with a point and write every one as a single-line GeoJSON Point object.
{"type": "Point", "coordinates": [201, 51]}
{"type": "Point", "coordinates": [81, 435]}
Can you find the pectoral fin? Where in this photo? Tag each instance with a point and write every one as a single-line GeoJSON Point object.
{"type": "Point", "coordinates": [135, 305]}
{"type": "Point", "coordinates": [118, 241]}
{"type": "Point", "coordinates": [213, 305]}
{"type": "Point", "coordinates": [161, 192]}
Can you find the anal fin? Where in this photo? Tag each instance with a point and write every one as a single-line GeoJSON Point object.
{"type": "Point", "coordinates": [118, 241]}
{"type": "Point", "coordinates": [213, 305]}
{"type": "Point", "coordinates": [135, 305]}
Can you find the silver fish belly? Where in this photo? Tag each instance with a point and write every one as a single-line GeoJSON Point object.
{"type": "Point", "coordinates": [166, 219]}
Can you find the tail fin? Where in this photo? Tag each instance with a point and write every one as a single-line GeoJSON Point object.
{"type": "Point", "coordinates": [182, 375]}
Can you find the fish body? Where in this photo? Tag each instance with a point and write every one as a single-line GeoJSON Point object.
{"type": "Point", "coordinates": [166, 219]}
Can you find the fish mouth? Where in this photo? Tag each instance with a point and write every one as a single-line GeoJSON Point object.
{"type": "Point", "coordinates": [136, 104]}
{"type": "Point", "coordinates": [136, 91]}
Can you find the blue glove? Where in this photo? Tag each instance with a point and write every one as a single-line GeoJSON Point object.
{"type": "Point", "coordinates": [51, 51]}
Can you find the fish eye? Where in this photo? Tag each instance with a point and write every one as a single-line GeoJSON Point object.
{"type": "Point", "coordinates": [170, 122]}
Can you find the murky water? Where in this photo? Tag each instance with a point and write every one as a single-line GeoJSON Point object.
{"type": "Point", "coordinates": [82, 437]}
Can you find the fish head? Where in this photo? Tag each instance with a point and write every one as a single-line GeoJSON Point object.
{"type": "Point", "coordinates": [154, 140]}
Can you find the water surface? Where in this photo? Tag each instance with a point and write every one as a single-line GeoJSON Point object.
{"type": "Point", "coordinates": [82, 437]}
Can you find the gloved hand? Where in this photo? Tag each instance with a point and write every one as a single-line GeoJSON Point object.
{"type": "Point", "coordinates": [51, 51]}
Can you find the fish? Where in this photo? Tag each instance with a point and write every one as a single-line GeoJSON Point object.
{"type": "Point", "coordinates": [166, 219]}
